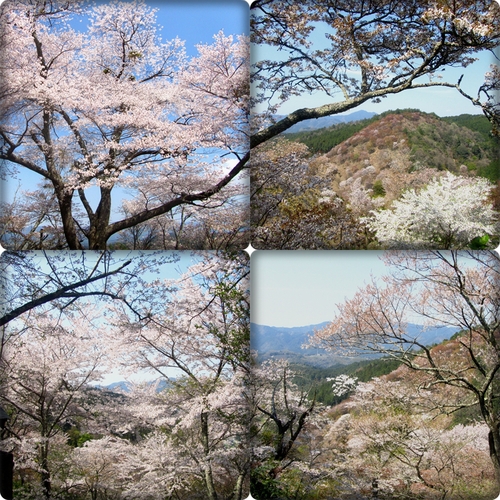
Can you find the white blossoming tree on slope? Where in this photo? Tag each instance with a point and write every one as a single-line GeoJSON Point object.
{"type": "Point", "coordinates": [449, 213]}
{"type": "Point", "coordinates": [116, 107]}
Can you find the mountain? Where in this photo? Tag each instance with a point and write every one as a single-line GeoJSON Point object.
{"type": "Point", "coordinates": [123, 387]}
{"type": "Point", "coordinates": [327, 121]}
{"type": "Point", "coordinates": [283, 342]}
{"type": "Point", "coordinates": [406, 140]}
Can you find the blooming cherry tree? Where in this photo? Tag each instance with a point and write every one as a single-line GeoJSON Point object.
{"type": "Point", "coordinates": [196, 337]}
{"type": "Point", "coordinates": [116, 107]}
{"type": "Point", "coordinates": [293, 208]}
{"type": "Point", "coordinates": [351, 52]}
{"type": "Point", "coordinates": [395, 435]}
{"type": "Point", "coordinates": [45, 367]}
{"type": "Point", "coordinates": [439, 288]}
{"type": "Point", "coordinates": [448, 213]}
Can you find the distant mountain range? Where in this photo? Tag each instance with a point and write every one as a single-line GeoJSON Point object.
{"type": "Point", "coordinates": [327, 121]}
{"type": "Point", "coordinates": [283, 342]}
{"type": "Point", "coordinates": [123, 386]}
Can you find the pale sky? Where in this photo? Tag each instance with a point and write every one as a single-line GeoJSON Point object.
{"type": "Point", "coordinates": [300, 288]}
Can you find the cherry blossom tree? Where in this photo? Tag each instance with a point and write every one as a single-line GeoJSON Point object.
{"type": "Point", "coordinates": [457, 289]}
{"type": "Point", "coordinates": [44, 369]}
{"type": "Point", "coordinates": [284, 454]}
{"type": "Point", "coordinates": [202, 333]}
{"type": "Point", "coordinates": [449, 212]}
{"type": "Point", "coordinates": [354, 52]}
{"type": "Point", "coordinates": [184, 436]}
{"type": "Point", "coordinates": [293, 208]}
{"type": "Point", "coordinates": [99, 467]}
{"type": "Point", "coordinates": [394, 435]}
{"type": "Point", "coordinates": [115, 107]}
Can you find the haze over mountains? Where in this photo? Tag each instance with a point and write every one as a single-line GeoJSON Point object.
{"type": "Point", "coordinates": [328, 121]}
{"type": "Point", "coordinates": [284, 342]}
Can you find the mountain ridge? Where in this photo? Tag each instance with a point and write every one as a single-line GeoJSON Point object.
{"type": "Point", "coordinates": [326, 121]}
{"type": "Point", "coordinates": [286, 342]}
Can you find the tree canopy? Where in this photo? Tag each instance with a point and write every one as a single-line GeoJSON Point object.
{"type": "Point", "coordinates": [181, 340]}
{"type": "Point", "coordinates": [111, 107]}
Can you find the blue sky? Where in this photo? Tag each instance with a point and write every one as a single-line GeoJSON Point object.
{"type": "Point", "coordinates": [196, 21]}
{"type": "Point", "coordinates": [300, 288]}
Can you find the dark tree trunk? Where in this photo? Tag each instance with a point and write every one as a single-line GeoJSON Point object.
{"type": "Point", "coordinates": [6, 475]}
{"type": "Point", "coordinates": [98, 235]}
{"type": "Point", "coordinates": [494, 444]}
{"type": "Point", "coordinates": [45, 474]}
{"type": "Point", "coordinates": [66, 208]}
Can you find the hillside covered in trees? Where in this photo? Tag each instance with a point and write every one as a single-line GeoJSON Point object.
{"type": "Point", "coordinates": [424, 139]}
{"type": "Point", "coordinates": [356, 185]}
{"type": "Point", "coordinates": [374, 419]}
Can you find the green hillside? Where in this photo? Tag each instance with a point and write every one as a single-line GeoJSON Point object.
{"type": "Point", "coordinates": [315, 377]}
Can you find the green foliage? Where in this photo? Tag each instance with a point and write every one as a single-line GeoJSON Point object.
{"type": "Point", "coordinates": [467, 416]}
{"type": "Point", "coordinates": [322, 140]}
{"type": "Point", "coordinates": [135, 54]}
{"type": "Point", "coordinates": [480, 242]}
{"type": "Point", "coordinates": [444, 147]}
{"type": "Point", "coordinates": [378, 189]}
{"type": "Point", "coordinates": [271, 481]}
{"type": "Point", "coordinates": [491, 171]}
{"type": "Point", "coordinates": [264, 483]}
{"type": "Point", "coordinates": [314, 377]}
{"type": "Point", "coordinates": [76, 438]}
{"type": "Point", "coordinates": [477, 123]}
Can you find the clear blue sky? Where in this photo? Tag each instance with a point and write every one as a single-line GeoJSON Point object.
{"type": "Point", "coordinates": [196, 21]}
{"type": "Point", "coordinates": [300, 288]}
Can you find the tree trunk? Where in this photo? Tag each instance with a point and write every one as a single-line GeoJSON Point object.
{"type": "Point", "coordinates": [494, 443]}
{"type": "Point", "coordinates": [98, 234]}
{"type": "Point", "coordinates": [209, 478]}
{"type": "Point", "coordinates": [45, 474]}
{"type": "Point", "coordinates": [238, 489]}
{"type": "Point", "coordinates": [66, 208]}
{"type": "Point", "coordinates": [6, 475]}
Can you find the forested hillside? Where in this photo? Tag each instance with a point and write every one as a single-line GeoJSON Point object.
{"type": "Point", "coordinates": [356, 185]}
{"type": "Point", "coordinates": [375, 419]}
{"type": "Point", "coordinates": [442, 143]}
